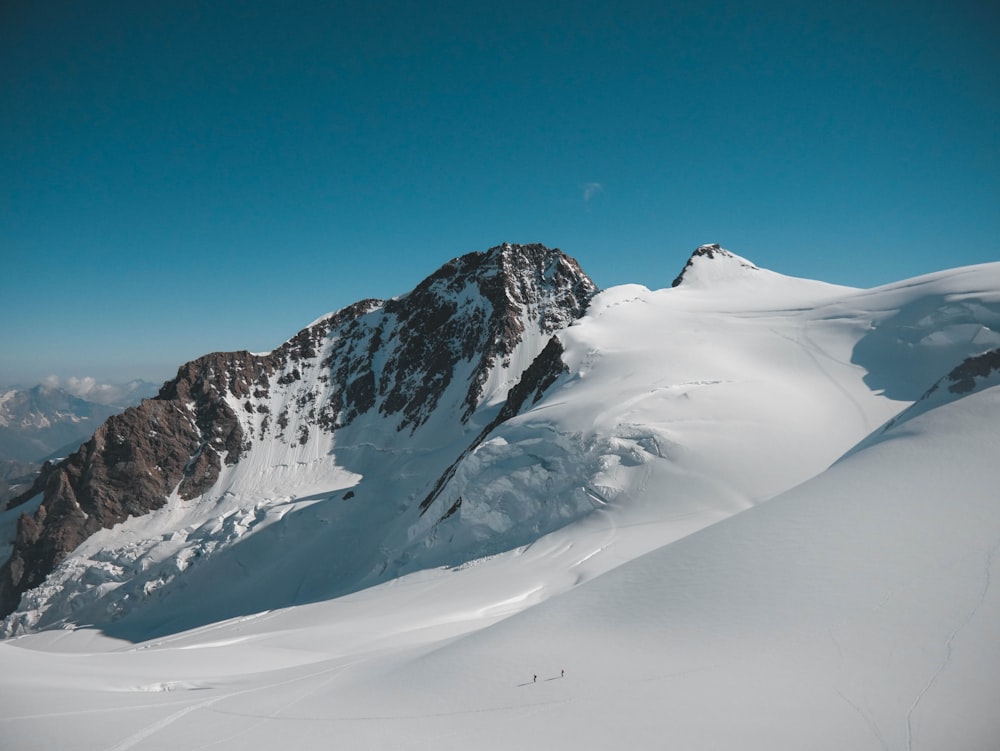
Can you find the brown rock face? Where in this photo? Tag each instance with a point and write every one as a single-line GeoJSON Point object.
{"type": "Point", "coordinates": [474, 308]}
{"type": "Point", "coordinates": [128, 468]}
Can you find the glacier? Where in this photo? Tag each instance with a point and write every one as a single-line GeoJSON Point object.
{"type": "Point", "coordinates": [745, 510]}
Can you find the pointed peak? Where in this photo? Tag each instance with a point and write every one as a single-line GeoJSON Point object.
{"type": "Point", "coordinates": [711, 262]}
{"type": "Point", "coordinates": [710, 250]}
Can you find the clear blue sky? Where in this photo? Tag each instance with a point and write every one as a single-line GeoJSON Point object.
{"type": "Point", "coordinates": [182, 177]}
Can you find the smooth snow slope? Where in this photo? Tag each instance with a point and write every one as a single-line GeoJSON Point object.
{"type": "Point", "coordinates": [683, 406]}
{"type": "Point", "coordinates": [853, 611]}
{"type": "Point", "coordinates": [856, 611]}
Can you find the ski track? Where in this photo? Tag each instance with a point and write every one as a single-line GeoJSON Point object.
{"type": "Point", "coordinates": [77, 713]}
{"type": "Point", "coordinates": [387, 717]}
{"type": "Point", "coordinates": [949, 645]}
{"type": "Point", "coordinates": [810, 349]}
{"type": "Point", "coordinates": [136, 738]}
{"type": "Point", "coordinates": [150, 730]}
{"type": "Point", "coordinates": [866, 716]}
{"type": "Point", "coordinates": [258, 720]}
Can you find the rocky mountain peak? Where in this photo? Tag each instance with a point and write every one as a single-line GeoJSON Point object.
{"type": "Point", "coordinates": [478, 308]}
{"type": "Point", "coordinates": [458, 342]}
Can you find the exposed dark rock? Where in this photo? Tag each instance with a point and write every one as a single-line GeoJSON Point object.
{"type": "Point", "coordinates": [473, 309]}
{"type": "Point", "coordinates": [130, 466]}
{"type": "Point", "coordinates": [454, 507]}
{"type": "Point", "coordinates": [537, 377]}
{"type": "Point", "coordinates": [963, 378]}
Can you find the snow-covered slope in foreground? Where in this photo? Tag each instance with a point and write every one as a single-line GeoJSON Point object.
{"type": "Point", "coordinates": [855, 610]}
{"type": "Point", "coordinates": [859, 610]}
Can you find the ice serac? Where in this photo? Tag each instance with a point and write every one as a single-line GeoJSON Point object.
{"type": "Point", "coordinates": [710, 263]}
{"type": "Point", "coordinates": [415, 376]}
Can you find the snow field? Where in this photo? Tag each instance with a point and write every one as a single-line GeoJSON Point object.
{"type": "Point", "coordinates": [670, 525]}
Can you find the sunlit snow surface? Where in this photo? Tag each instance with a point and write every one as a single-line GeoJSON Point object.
{"type": "Point", "coordinates": [858, 609]}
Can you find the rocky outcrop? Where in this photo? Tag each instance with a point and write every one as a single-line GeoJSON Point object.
{"type": "Point", "coordinates": [393, 359]}
{"type": "Point", "coordinates": [963, 378]}
{"type": "Point", "coordinates": [132, 464]}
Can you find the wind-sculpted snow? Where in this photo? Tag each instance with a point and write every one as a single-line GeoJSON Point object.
{"type": "Point", "coordinates": [718, 412]}
{"type": "Point", "coordinates": [925, 327]}
{"type": "Point", "coordinates": [973, 374]}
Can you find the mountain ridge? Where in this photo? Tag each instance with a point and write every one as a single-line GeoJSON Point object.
{"type": "Point", "coordinates": [392, 359]}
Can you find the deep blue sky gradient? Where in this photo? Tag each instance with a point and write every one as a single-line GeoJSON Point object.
{"type": "Point", "coordinates": [182, 177]}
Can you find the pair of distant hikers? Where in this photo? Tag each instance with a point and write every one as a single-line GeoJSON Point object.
{"type": "Point", "coordinates": [534, 678]}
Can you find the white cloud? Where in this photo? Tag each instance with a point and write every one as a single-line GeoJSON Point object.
{"type": "Point", "coordinates": [80, 387]}
{"type": "Point", "coordinates": [590, 190]}
{"type": "Point", "coordinates": [88, 388]}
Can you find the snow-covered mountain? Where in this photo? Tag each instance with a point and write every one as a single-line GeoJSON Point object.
{"type": "Point", "coordinates": [745, 509]}
{"type": "Point", "coordinates": [40, 421]}
{"type": "Point", "coordinates": [363, 409]}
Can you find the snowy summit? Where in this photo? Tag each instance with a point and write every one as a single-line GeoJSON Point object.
{"type": "Point", "coordinates": [747, 510]}
{"type": "Point", "coordinates": [710, 264]}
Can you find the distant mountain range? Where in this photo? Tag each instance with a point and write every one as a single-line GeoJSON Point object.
{"type": "Point", "coordinates": [47, 421]}
{"type": "Point", "coordinates": [42, 421]}
{"type": "Point", "coordinates": [744, 485]}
